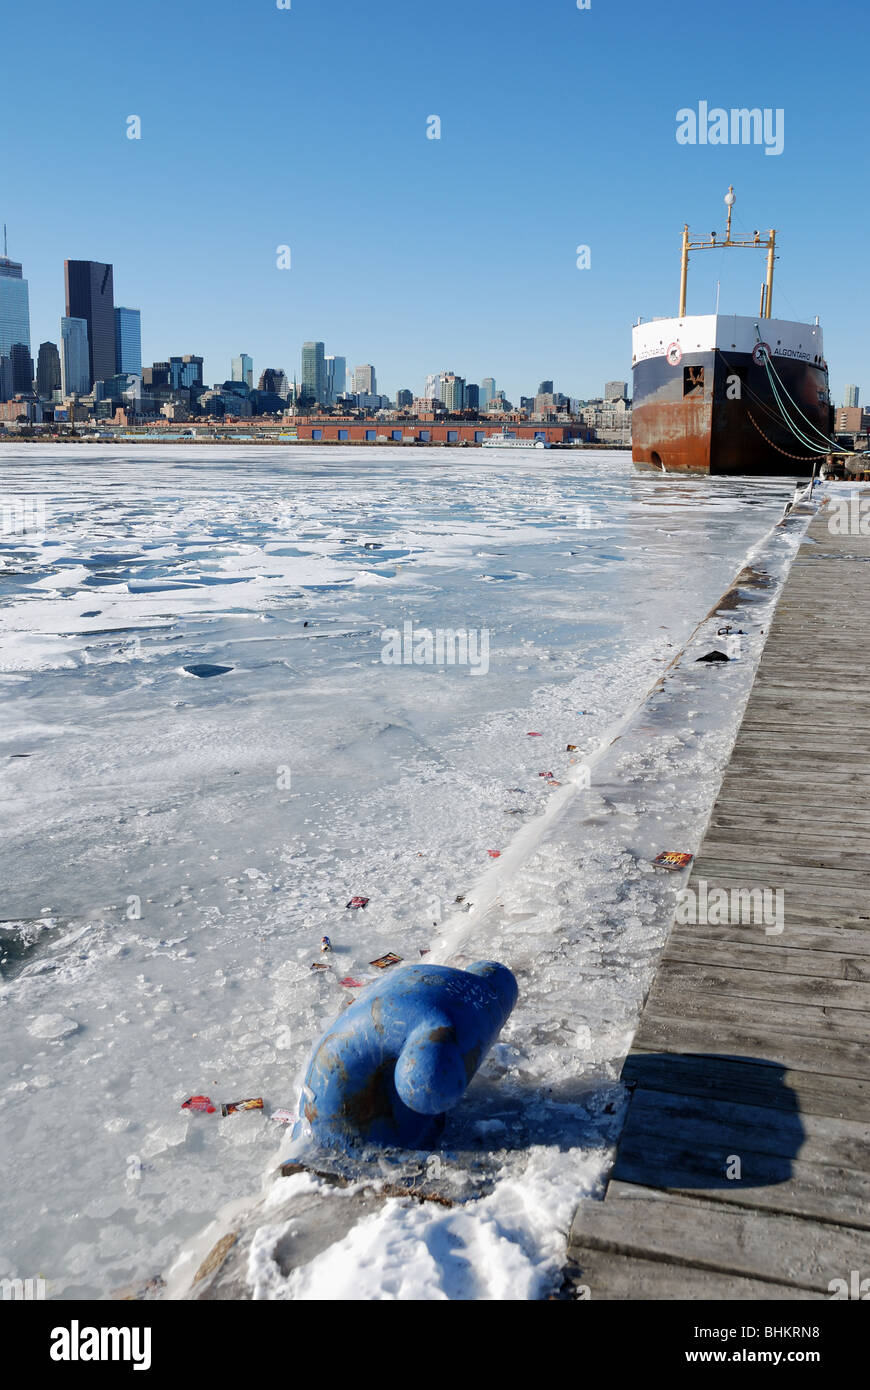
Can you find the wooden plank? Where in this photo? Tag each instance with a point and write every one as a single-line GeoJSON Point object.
{"type": "Point", "coordinates": [826, 855]}
{"type": "Point", "coordinates": [672, 1001]}
{"type": "Point", "coordinates": [722, 946]}
{"type": "Point", "coordinates": [741, 1037]}
{"type": "Point", "coordinates": [682, 1164]}
{"type": "Point", "coordinates": [610, 1276]}
{"type": "Point", "coordinates": [753, 1083]}
{"type": "Point", "coordinates": [704, 1235]}
{"type": "Point", "coordinates": [745, 981]}
{"type": "Point", "coordinates": [734, 1126]}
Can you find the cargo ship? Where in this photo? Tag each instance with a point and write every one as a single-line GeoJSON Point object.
{"type": "Point", "coordinates": [730, 394]}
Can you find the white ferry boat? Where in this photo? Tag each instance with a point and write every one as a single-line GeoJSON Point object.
{"type": "Point", "coordinates": [509, 441]}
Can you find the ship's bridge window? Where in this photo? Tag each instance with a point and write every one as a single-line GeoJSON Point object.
{"type": "Point", "coordinates": [693, 381]}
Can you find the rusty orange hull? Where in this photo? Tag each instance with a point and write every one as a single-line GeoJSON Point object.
{"type": "Point", "coordinates": [716, 412]}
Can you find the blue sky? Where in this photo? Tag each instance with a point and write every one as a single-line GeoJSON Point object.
{"type": "Point", "coordinates": [306, 127]}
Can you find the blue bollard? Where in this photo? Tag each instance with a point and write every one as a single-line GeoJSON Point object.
{"type": "Point", "coordinates": [403, 1054]}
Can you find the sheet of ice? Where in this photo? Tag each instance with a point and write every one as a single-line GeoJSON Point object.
{"type": "Point", "coordinates": [174, 848]}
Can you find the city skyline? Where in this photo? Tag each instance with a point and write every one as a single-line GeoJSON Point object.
{"type": "Point", "coordinates": [408, 251]}
{"type": "Point", "coordinates": [89, 288]}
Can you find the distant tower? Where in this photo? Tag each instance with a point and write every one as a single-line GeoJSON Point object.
{"type": "Point", "coordinates": [243, 370]}
{"type": "Point", "coordinates": [615, 390]}
{"type": "Point", "coordinates": [365, 380]}
{"type": "Point", "coordinates": [14, 307]}
{"type": "Point", "coordinates": [335, 369]}
{"type": "Point", "coordinates": [22, 369]}
{"type": "Point", "coordinates": [454, 391]}
{"type": "Point", "coordinates": [48, 370]}
{"type": "Point", "coordinates": [545, 388]}
{"type": "Point", "coordinates": [313, 372]}
{"type": "Point", "coordinates": [90, 295]}
{"type": "Point", "coordinates": [74, 358]}
{"type": "Point", "coordinates": [128, 341]}
{"type": "Point", "coordinates": [487, 391]}
{"type": "Point", "coordinates": [851, 396]}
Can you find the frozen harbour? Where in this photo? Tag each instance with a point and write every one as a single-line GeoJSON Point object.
{"type": "Point", "coordinates": [175, 846]}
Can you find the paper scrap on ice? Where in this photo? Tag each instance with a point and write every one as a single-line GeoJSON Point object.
{"type": "Point", "coordinates": [673, 859]}
{"type": "Point", "coordinates": [234, 1107]}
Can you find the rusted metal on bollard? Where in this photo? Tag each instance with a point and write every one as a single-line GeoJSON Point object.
{"type": "Point", "coordinates": [387, 1071]}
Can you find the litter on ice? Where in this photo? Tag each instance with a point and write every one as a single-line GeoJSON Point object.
{"type": "Point", "coordinates": [383, 962]}
{"type": "Point", "coordinates": [673, 859]}
{"type": "Point", "coordinates": [203, 1103]}
{"type": "Point", "coordinates": [234, 1107]}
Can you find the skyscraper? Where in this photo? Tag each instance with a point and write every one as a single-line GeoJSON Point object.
{"type": "Point", "coordinates": [487, 391]}
{"type": "Point", "coordinates": [454, 391]}
{"type": "Point", "coordinates": [545, 388]}
{"type": "Point", "coordinates": [14, 307]}
{"type": "Point", "coordinates": [90, 295]}
{"type": "Point", "coordinates": [48, 370]}
{"type": "Point", "coordinates": [472, 396]}
{"type": "Point", "coordinates": [243, 370]}
{"type": "Point", "coordinates": [615, 390]}
{"type": "Point", "coordinates": [313, 372]}
{"type": "Point", "coordinates": [75, 368]}
{"type": "Point", "coordinates": [128, 341]}
{"type": "Point", "coordinates": [274, 380]}
{"type": "Point", "coordinates": [185, 371]}
{"type": "Point", "coordinates": [851, 396]}
{"type": "Point", "coordinates": [365, 380]}
{"type": "Point", "coordinates": [336, 377]}
{"type": "Point", "coordinates": [22, 368]}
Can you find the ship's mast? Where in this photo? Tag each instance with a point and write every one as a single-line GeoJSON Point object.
{"type": "Point", "coordinates": [767, 288]}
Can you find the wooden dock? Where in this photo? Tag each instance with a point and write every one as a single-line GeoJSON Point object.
{"type": "Point", "coordinates": [743, 1171]}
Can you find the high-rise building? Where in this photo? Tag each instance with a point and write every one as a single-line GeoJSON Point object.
{"type": "Point", "coordinates": [75, 368]}
{"type": "Point", "coordinates": [185, 372]}
{"type": "Point", "coordinates": [274, 380]}
{"type": "Point", "coordinates": [433, 387]}
{"type": "Point", "coordinates": [851, 397]}
{"type": "Point", "coordinates": [454, 391]}
{"type": "Point", "coordinates": [90, 295]}
{"type": "Point", "coordinates": [487, 391]}
{"type": "Point", "coordinates": [22, 368]}
{"type": "Point", "coordinates": [128, 341]}
{"type": "Point", "coordinates": [404, 398]}
{"type": "Point", "coordinates": [545, 388]}
{"type": "Point", "coordinates": [14, 307]}
{"type": "Point", "coordinates": [313, 372]}
{"type": "Point", "coordinates": [472, 396]}
{"type": "Point", "coordinates": [5, 378]}
{"type": "Point", "coordinates": [243, 370]}
{"type": "Point", "coordinates": [615, 390]}
{"type": "Point", "coordinates": [48, 370]}
{"type": "Point", "coordinates": [156, 375]}
{"type": "Point", "coordinates": [365, 380]}
{"type": "Point", "coordinates": [336, 377]}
